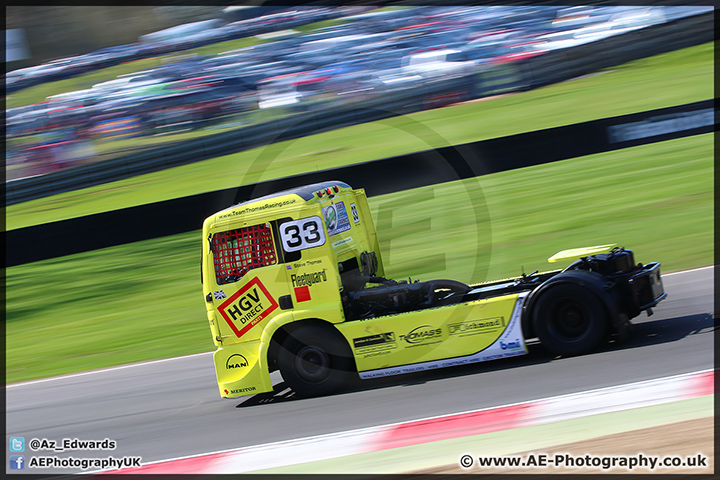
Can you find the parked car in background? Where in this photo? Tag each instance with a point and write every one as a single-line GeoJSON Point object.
{"type": "Point", "coordinates": [436, 63]}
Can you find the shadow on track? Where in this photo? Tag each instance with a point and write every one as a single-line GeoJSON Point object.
{"type": "Point", "coordinates": [653, 332]}
{"type": "Point", "coordinates": [645, 332]}
{"type": "Point", "coordinates": [281, 393]}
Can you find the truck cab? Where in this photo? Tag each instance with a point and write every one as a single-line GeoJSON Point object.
{"type": "Point", "coordinates": [276, 260]}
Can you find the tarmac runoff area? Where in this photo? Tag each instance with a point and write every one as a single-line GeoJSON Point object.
{"type": "Point", "coordinates": [635, 423]}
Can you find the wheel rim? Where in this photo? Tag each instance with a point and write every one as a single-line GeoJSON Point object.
{"type": "Point", "coordinates": [312, 364]}
{"type": "Point", "coordinates": [570, 320]}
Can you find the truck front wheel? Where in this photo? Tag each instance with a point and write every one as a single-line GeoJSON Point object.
{"type": "Point", "coordinates": [315, 361]}
{"type": "Point", "coordinates": [569, 320]}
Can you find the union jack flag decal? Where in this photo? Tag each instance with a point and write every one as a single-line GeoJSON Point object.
{"type": "Point", "coordinates": [219, 294]}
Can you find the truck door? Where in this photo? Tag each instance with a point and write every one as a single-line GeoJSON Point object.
{"type": "Point", "coordinates": [247, 280]}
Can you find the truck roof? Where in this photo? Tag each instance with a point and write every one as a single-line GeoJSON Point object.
{"type": "Point", "coordinates": [305, 192]}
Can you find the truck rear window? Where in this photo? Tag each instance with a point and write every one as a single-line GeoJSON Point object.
{"type": "Point", "coordinates": [238, 251]}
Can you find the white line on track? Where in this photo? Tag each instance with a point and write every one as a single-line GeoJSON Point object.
{"type": "Point", "coordinates": [130, 365]}
{"type": "Point", "coordinates": [103, 370]}
{"type": "Point", "coordinates": [687, 271]}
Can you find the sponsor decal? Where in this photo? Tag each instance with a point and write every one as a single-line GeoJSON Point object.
{"type": "Point", "coordinates": [303, 281]}
{"type": "Point", "coordinates": [330, 215]}
{"type": "Point", "coordinates": [374, 345]}
{"type": "Point", "coordinates": [219, 294]}
{"type": "Point", "coordinates": [243, 390]}
{"type": "Point", "coordinates": [422, 335]}
{"type": "Point", "coordinates": [353, 209]}
{"type": "Point", "coordinates": [342, 242]}
{"type": "Point", "coordinates": [511, 345]}
{"type": "Point", "coordinates": [476, 327]}
{"type": "Point", "coordinates": [302, 294]}
{"type": "Point", "coordinates": [258, 208]}
{"type": "Point", "coordinates": [373, 340]}
{"type": "Point", "coordinates": [336, 219]}
{"type": "Point", "coordinates": [308, 279]}
{"type": "Point", "coordinates": [247, 307]}
{"type": "Point", "coordinates": [236, 361]}
{"type": "Point", "coordinates": [661, 125]}
{"type": "Point", "coordinates": [494, 351]}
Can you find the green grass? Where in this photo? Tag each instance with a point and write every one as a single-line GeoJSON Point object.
{"type": "Point", "coordinates": [144, 300]}
{"type": "Point", "coordinates": [656, 200]}
{"type": "Point", "coordinates": [322, 24]}
{"type": "Point", "coordinates": [665, 80]}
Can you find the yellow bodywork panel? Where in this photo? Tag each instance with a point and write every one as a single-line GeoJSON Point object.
{"type": "Point", "coordinates": [575, 253]}
{"type": "Point", "coordinates": [426, 335]}
{"type": "Point", "coordinates": [242, 370]}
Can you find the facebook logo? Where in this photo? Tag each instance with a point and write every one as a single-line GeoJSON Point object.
{"type": "Point", "coordinates": [17, 444]}
{"type": "Point", "coordinates": [17, 462]}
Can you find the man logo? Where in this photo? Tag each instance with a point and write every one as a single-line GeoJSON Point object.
{"type": "Point", "coordinates": [236, 361]}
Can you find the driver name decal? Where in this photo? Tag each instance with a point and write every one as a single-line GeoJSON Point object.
{"type": "Point", "coordinates": [247, 307]}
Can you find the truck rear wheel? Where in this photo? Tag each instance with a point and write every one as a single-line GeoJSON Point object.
{"type": "Point", "coordinates": [569, 320]}
{"type": "Point", "coordinates": [315, 361]}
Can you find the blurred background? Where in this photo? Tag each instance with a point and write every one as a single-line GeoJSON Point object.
{"type": "Point", "coordinates": [89, 84]}
{"type": "Point", "coordinates": [103, 235]}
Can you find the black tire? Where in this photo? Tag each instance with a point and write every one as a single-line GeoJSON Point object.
{"type": "Point", "coordinates": [569, 320]}
{"type": "Point", "coordinates": [315, 360]}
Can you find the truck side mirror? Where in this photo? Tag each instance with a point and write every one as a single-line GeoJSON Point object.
{"type": "Point", "coordinates": [369, 264]}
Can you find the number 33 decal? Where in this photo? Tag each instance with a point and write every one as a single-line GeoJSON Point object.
{"type": "Point", "coordinates": [302, 234]}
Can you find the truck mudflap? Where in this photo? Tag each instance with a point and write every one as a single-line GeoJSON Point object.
{"type": "Point", "coordinates": [510, 343]}
{"type": "Point", "coordinates": [241, 370]}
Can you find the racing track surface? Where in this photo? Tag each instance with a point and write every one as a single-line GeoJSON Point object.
{"type": "Point", "coordinates": [168, 409]}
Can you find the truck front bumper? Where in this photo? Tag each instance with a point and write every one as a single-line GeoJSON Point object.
{"type": "Point", "coordinates": [241, 369]}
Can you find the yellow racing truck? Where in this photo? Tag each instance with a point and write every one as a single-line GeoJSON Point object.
{"type": "Point", "coordinates": [295, 281]}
